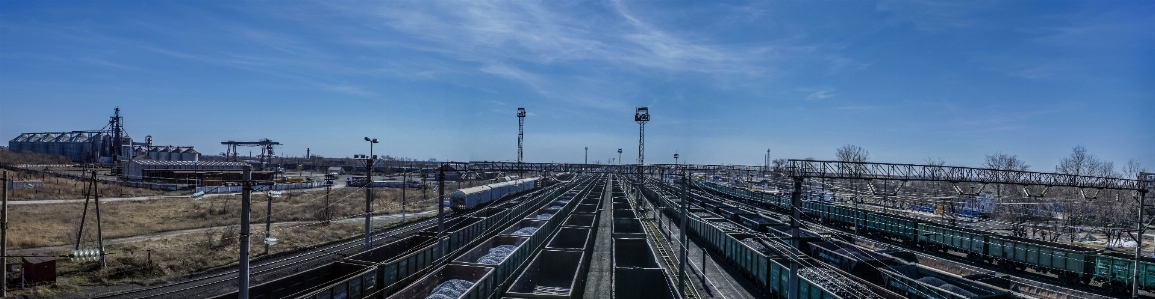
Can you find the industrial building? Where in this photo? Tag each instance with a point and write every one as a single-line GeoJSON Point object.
{"type": "Point", "coordinates": [78, 146]}
{"type": "Point", "coordinates": [201, 173]}
{"type": "Point", "coordinates": [106, 146]}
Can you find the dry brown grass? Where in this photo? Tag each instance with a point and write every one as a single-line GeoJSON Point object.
{"type": "Point", "coordinates": [34, 226]}
{"type": "Point", "coordinates": [63, 188]}
{"type": "Point", "coordinates": [10, 158]}
{"type": "Point", "coordinates": [298, 212]}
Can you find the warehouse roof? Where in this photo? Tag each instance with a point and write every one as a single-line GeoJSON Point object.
{"type": "Point", "coordinates": [187, 163]}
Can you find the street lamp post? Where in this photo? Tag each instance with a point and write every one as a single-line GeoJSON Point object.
{"type": "Point", "coordinates": [675, 158]}
{"type": "Point", "coordinates": [619, 156]}
{"type": "Point", "coordinates": [587, 155]}
{"type": "Point", "coordinates": [369, 193]}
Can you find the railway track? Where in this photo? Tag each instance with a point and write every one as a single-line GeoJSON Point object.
{"type": "Point", "coordinates": [264, 270]}
{"type": "Point", "coordinates": [225, 281]}
{"type": "Point", "coordinates": [662, 248]}
{"type": "Point", "coordinates": [1021, 286]}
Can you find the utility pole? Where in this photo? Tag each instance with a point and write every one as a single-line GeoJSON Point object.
{"type": "Point", "coordinates": [246, 209]}
{"type": "Point", "coordinates": [99, 232]}
{"type": "Point", "coordinates": [441, 201]}
{"type": "Point", "coordinates": [404, 185]}
{"type": "Point", "coordinates": [1144, 182]}
{"type": "Point", "coordinates": [328, 189]}
{"type": "Point", "coordinates": [369, 193]}
{"type": "Point", "coordinates": [795, 202]}
{"type": "Point", "coordinates": [268, 219]}
{"type": "Point", "coordinates": [4, 235]}
{"type": "Point", "coordinates": [682, 224]}
{"type": "Point", "coordinates": [587, 155]}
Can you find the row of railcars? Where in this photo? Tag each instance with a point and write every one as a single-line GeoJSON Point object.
{"type": "Point", "coordinates": [559, 269]}
{"type": "Point", "coordinates": [1072, 264]}
{"type": "Point", "coordinates": [468, 198]}
{"type": "Point", "coordinates": [486, 268]}
{"type": "Point", "coordinates": [759, 256]}
{"type": "Point", "coordinates": [636, 271]}
{"type": "Point", "coordinates": [410, 265]}
{"type": "Point", "coordinates": [906, 279]}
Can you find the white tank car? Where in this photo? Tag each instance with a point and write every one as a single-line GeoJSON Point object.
{"type": "Point", "coordinates": [468, 198]}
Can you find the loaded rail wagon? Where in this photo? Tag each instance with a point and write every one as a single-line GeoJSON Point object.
{"type": "Point", "coordinates": [947, 237]}
{"type": "Point", "coordinates": [846, 216]}
{"type": "Point", "coordinates": [1116, 270]}
{"type": "Point", "coordinates": [816, 209]}
{"type": "Point", "coordinates": [893, 226]}
{"type": "Point", "coordinates": [1066, 261]}
{"type": "Point", "coordinates": [783, 233]}
{"type": "Point", "coordinates": [505, 254]}
{"type": "Point", "coordinates": [917, 281]}
{"type": "Point", "coordinates": [733, 213]}
{"type": "Point", "coordinates": [336, 280]}
{"type": "Point", "coordinates": [400, 261]}
{"type": "Point", "coordinates": [853, 260]}
{"type": "Point", "coordinates": [819, 282]}
{"type": "Point", "coordinates": [756, 222]}
{"type": "Point", "coordinates": [452, 281]}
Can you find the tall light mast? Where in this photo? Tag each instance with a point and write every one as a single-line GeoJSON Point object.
{"type": "Point", "coordinates": [642, 116]}
{"type": "Point", "coordinates": [520, 131]}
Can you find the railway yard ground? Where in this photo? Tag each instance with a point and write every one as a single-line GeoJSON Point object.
{"type": "Point", "coordinates": [162, 246]}
{"type": "Point", "coordinates": [154, 237]}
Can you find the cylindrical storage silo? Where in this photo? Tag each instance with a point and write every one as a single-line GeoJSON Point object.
{"type": "Point", "coordinates": [41, 144]}
{"type": "Point", "coordinates": [56, 144]}
{"type": "Point", "coordinates": [17, 144]}
{"type": "Point", "coordinates": [190, 155]}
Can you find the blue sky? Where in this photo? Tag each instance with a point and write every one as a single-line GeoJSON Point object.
{"type": "Point", "coordinates": [724, 81]}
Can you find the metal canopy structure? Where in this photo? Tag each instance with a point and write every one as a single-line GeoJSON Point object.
{"type": "Point", "coordinates": [266, 146]}
{"type": "Point", "coordinates": [954, 174]}
{"type": "Point", "coordinates": [649, 169]}
{"type": "Point", "coordinates": [800, 170]}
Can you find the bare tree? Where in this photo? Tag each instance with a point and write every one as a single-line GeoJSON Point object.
{"type": "Point", "coordinates": [852, 153]}
{"type": "Point", "coordinates": [935, 161]}
{"type": "Point", "coordinates": [1003, 161]}
{"type": "Point", "coordinates": [1082, 163]}
{"type": "Point", "coordinates": [1133, 169]}
{"type": "Point", "coordinates": [1015, 213]}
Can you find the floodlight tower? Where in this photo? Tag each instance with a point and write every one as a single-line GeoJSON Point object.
{"type": "Point", "coordinates": [520, 132]}
{"type": "Point", "coordinates": [642, 116]}
{"type": "Point", "coordinates": [619, 156]}
{"type": "Point", "coordinates": [369, 192]}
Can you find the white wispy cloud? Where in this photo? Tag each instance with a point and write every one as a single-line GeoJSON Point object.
{"type": "Point", "coordinates": [820, 95]}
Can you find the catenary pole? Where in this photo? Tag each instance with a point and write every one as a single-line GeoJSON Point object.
{"type": "Point", "coordinates": [246, 209]}
{"type": "Point", "coordinates": [4, 235]}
